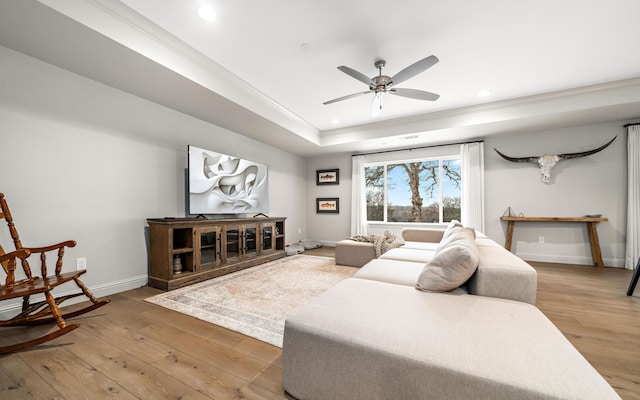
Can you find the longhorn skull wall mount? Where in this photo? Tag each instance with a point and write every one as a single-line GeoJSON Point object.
{"type": "Point", "coordinates": [546, 162]}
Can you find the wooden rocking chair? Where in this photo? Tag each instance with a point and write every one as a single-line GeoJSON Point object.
{"type": "Point", "coordinates": [43, 311]}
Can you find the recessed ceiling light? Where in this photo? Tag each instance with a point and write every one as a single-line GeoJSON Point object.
{"type": "Point", "coordinates": [206, 13]}
{"type": "Point", "coordinates": [335, 121]}
{"type": "Point", "coordinates": [485, 93]}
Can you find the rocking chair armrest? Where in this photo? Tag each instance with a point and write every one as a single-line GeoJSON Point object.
{"type": "Point", "coordinates": [68, 243]}
{"type": "Point", "coordinates": [43, 257]}
{"type": "Point", "coordinates": [21, 254]}
{"type": "Point", "coordinates": [8, 263]}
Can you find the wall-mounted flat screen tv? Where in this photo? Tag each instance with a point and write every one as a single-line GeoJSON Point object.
{"type": "Point", "coordinates": [224, 184]}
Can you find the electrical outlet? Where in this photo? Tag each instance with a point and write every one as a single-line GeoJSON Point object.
{"type": "Point", "coordinates": [540, 239]}
{"type": "Point", "coordinates": [81, 263]}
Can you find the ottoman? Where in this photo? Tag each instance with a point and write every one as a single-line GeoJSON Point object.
{"type": "Point", "coordinates": [354, 254]}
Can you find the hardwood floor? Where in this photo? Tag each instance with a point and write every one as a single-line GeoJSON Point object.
{"type": "Point", "coordinates": [133, 349]}
{"type": "Point", "coordinates": [590, 306]}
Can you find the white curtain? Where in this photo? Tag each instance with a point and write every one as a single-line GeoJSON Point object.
{"type": "Point", "coordinates": [358, 197]}
{"type": "Point", "coordinates": [633, 205]}
{"type": "Point", "coordinates": [472, 169]}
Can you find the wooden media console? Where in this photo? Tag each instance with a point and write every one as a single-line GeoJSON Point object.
{"type": "Point", "coordinates": [184, 251]}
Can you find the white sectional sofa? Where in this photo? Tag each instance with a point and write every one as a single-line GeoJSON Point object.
{"type": "Point", "coordinates": [374, 336]}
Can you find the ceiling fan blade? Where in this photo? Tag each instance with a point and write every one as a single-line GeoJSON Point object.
{"type": "Point", "coordinates": [349, 96]}
{"type": "Point", "coordinates": [358, 75]}
{"type": "Point", "coordinates": [414, 94]}
{"type": "Point", "coordinates": [414, 69]}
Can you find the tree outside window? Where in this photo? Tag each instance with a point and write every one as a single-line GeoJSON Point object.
{"type": "Point", "coordinates": [374, 186]}
{"type": "Point", "coordinates": [426, 191]}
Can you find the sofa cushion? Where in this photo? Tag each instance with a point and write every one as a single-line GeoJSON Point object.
{"type": "Point", "coordinates": [405, 254]}
{"type": "Point", "coordinates": [484, 241]}
{"type": "Point", "coordinates": [396, 272]}
{"type": "Point", "coordinates": [503, 274]}
{"type": "Point", "coordinates": [391, 271]}
{"type": "Point", "coordinates": [431, 246]}
{"type": "Point", "coordinates": [452, 265]}
{"type": "Point", "coordinates": [422, 235]}
{"type": "Point", "coordinates": [364, 340]}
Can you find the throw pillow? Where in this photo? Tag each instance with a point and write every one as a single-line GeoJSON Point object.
{"type": "Point", "coordinates": [451, 234]}
{"type": "Point", "coordinates": [452, 265]}
{"type": "Point", "coordinates": [453, 225]}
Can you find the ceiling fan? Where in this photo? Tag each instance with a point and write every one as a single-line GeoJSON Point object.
{"type": "Point", "coordinates": [382, 84]}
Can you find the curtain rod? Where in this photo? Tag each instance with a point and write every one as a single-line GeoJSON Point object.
{"type": "Point", "coordinates": [634, 124]}
{"type": "Point", "coordinates": [416, 148]}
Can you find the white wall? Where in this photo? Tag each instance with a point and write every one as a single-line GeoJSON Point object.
{"type": "Point", "coordinates": [84, 161]}
{"type": "Point", "coordinates": [591, 185]}
{"type": "Point", "coordinates": [329, 228]}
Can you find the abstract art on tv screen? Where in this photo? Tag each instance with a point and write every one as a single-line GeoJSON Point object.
{"type": "Point", "coordinates": [224, 184]}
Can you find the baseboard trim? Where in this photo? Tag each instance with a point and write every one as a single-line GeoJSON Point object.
{"type": "Point", "coordinates": [561, 259]}
{"type": "Point", "coordinates": [99, 291]}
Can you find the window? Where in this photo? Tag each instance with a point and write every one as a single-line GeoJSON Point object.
{"type": "Point", "coordinates": [427, 191]}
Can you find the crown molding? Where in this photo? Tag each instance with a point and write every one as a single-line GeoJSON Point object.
{"type": "Point", "coordinates": [568, 102]}
{"type": "Point", "coordinates": [118, 22]}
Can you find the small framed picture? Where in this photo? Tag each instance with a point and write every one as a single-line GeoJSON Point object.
{"type": "Point", "coordinates": [327, 205]}
{"type": "Point", "coordinates": [327, 176]}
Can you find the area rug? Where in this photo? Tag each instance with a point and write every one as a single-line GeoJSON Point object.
{"type": "Point", "coordinates": [256, 301]}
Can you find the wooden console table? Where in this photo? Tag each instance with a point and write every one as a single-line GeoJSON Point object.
{"type": "Point", "coordinates": [591, 227]}
{"type": "Point", "coordinates": [189, 250]}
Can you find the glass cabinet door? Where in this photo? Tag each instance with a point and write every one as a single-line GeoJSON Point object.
{"type": "Point", "coordinates": [232, 242]}
{"type": "Point", "coordinates": [209, 247]}
{"type": "Point", "coordinates": [267, 237]}
{"type": "Point", "coordinates": [268, 234]}
{"type": "Point", "coordinates": [250, 241]}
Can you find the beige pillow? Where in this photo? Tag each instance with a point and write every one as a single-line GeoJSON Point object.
{"type": "Point", "coordinates": [453, 225]}
{"type": "Point", "coordinates": [452, 265]}
{"type": "Point", "coordinates": [453, 233]}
